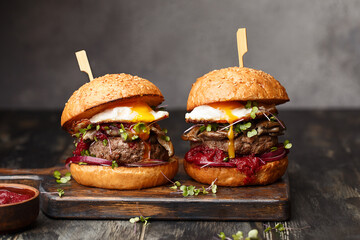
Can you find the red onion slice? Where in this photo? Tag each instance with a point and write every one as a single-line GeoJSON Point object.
{"type": "Point", "coordinates": [103, 162]}
{"type": "Point", "coordinates": [87, 159]}
{"type": "Point", "coordinates": [280, 149]}
{"type": "Point", "coordinates": [147, 163]}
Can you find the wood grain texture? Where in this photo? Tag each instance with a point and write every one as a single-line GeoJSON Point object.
{"type": "Point", "coordinates": [241, 203]}
{"type": "Point", "coordinates": [324, 174]}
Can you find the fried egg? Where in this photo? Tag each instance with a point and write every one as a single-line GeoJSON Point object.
{"type": "Point", "coordinates": [218, 112]}
{"type": "Point", "coordinates": [131, 112]}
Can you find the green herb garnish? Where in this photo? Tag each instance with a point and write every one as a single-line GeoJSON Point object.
{"type": "Point", "coordinates": [114, 164]}
{"type": "Point", "coordinates": [85, 152]}
{"type": "Point", "coordinates": [140, 127]}
{"type": "Point", "coordinates": [192, 190]}
{"type": "Point", "coordinates": [165, 130]}
{"type": "Point", "coordinates": [57, 174]}
{"type": "Point", "coordinates": [273, 149]}
{"type": "Point", "coordinates": [166, 138]}
{"type": "Point", "coordinates": [105, 142]}
{"type": "Point", "coordinates": [248, 105]}
{"type": "Point", "coordinates": [61, 192]}
{"type": "Point", "coordinates": [278, 227]}
{"type": "Point", "coordinates": [287, 144]}
{"type": "Point", "coordinates": [63, 179]}
{"type": "Point", "coordinates": [97, 127]}
{"type": "Point", "coordinates": [82, 130]}
{"type": "Point", "coordinates": [124, 136]}
{"type": "Point", "coordinates": [253, 112]}
{"type": "Point", "coordinates": [134, 137]}
{"type": "Point", "coordinates": [251, 133]}
{"type": "Point", "coordinates": [252, 235]}
{"type": "Point", "coordinates": [142, 219]}
{"type": "Point", "coordinates": [226, 159]}
{"type": "Point", "coordinates": [82, 163]}
{"type": "Point", "coordinates": [209, 127]}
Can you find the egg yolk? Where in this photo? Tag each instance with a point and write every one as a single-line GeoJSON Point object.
{"type": "Point", "coordinates": [143, 112]}
{"type": "Point", "coordinates": [227, 108]}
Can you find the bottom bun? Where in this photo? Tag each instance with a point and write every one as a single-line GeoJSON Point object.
{"type": "Point", "coordinates": [124, 178]}
{"type": "Point", "coordinates": [232, 177]}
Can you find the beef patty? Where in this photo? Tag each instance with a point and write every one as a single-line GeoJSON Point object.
{"type": "Point", "coordinates": [127, 152]}
{"type": "Point", "coordinates": [266, 138]}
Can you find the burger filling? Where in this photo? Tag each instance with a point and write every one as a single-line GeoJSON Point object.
{"type": "Point", "coordinates": [233, 134]}
{"type": "Point", "coordinates": [123, 143]}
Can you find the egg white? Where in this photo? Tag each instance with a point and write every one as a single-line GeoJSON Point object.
{"type": "Point", "coordinates": [208, 113]}
{"type": "Point", "coordinates": [124, 114]}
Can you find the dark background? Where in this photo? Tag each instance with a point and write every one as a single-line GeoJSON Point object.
{"type": "Point", "coordinates": [311, 47]}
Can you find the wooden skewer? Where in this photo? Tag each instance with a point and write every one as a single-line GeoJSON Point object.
{"type": "Point", "coordinates": [241, 44]}
{"type": "Point", "coordinates": [84, 63]}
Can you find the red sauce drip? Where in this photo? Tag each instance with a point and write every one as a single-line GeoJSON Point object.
{"type": "Point", "coordinates": [202, 155]}
{"type": "Point", "coordinates": [7, 197]}
{"type": "Point", "coordinates": [100, 136]}
{"type": "Point", "coordinates": [81, 145]}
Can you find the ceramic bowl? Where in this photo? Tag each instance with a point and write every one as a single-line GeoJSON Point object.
{"type": "Point", "coordinates": [16, 216]}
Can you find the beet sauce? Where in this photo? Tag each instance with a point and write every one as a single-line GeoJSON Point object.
{"type": "Point", "coordinates": [81, 145]}
{"type": "Point", "coordinates": [7, 196]}
{"type": "Point", "coordinates": [202, 155]}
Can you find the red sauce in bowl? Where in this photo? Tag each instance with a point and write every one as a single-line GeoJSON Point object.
{"type": "Point", "coordinates": [9, 195]}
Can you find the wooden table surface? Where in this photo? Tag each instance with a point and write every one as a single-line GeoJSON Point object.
{"type": "Point", "coordinates": [324, 173]}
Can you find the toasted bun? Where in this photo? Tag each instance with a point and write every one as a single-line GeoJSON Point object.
{"type": "Point", "coordinates": [107, 92]}
{"type": "Point", "coordinates": [124, 178]}
{"type": "Point", "coordinates": [236, 84]}
{"type": "Point", "coordinates": [268, 173]}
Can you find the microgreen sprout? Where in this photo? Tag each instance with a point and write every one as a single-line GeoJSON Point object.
{"type": "Point", "coordinates": [166, 138]}
{"type": "Point", "coordinates": [134, 137]}
{"type": "Point", "coordinates": [124, 135]}
{"type": "Point", "coordinates": [287, 144]}
{"type": "Point", "coordinates": [61, 192]}
{"type": "Point", "coordinates": [253, 112]}
{"type": "Point", "coordinates": [140, 127]}
{"type": "Point", "coordinates": [278, 227]}
{"type": "Point", "coordinates": [273, 149]}
{"type": "Point", "coordinates": [142, 219]}
{"type": "Point", "coordinates": [209, 127]}
{"type": "Point", "coordinates": [114, 164]}
{"type": "Point", "coordinates": [242, 127]}
{"type": "Point", "coordinates": [192, 190]}
{"type": "Point", "coordinates": [66, 178]}
{"type": "Point", "coordinates": [252, 235]}
{"type": "Point", "coordinates": [251, 133]}
{"type": "Point", "coordinates": [248, 105]}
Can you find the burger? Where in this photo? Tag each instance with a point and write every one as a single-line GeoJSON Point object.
{"type": "Point", "coordinates": [234, 139]}
{"type": "Point", "coordinates": [118, 142]}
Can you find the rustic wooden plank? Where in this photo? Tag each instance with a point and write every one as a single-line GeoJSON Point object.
{"type": "Point", "coordinates": [245, 203]}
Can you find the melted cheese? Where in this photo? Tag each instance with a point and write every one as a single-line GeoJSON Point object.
{"type": "Point", "coordinates": [131, 112]}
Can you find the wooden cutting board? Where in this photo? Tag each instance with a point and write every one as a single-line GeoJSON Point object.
{"type": "Point", "coordinates": [270, 203]}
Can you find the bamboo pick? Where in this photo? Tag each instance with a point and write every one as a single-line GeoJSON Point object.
{"type": "Point", "coordinates": [241, 44]}
{"type": "Point", "coordinates": [84, 63]}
